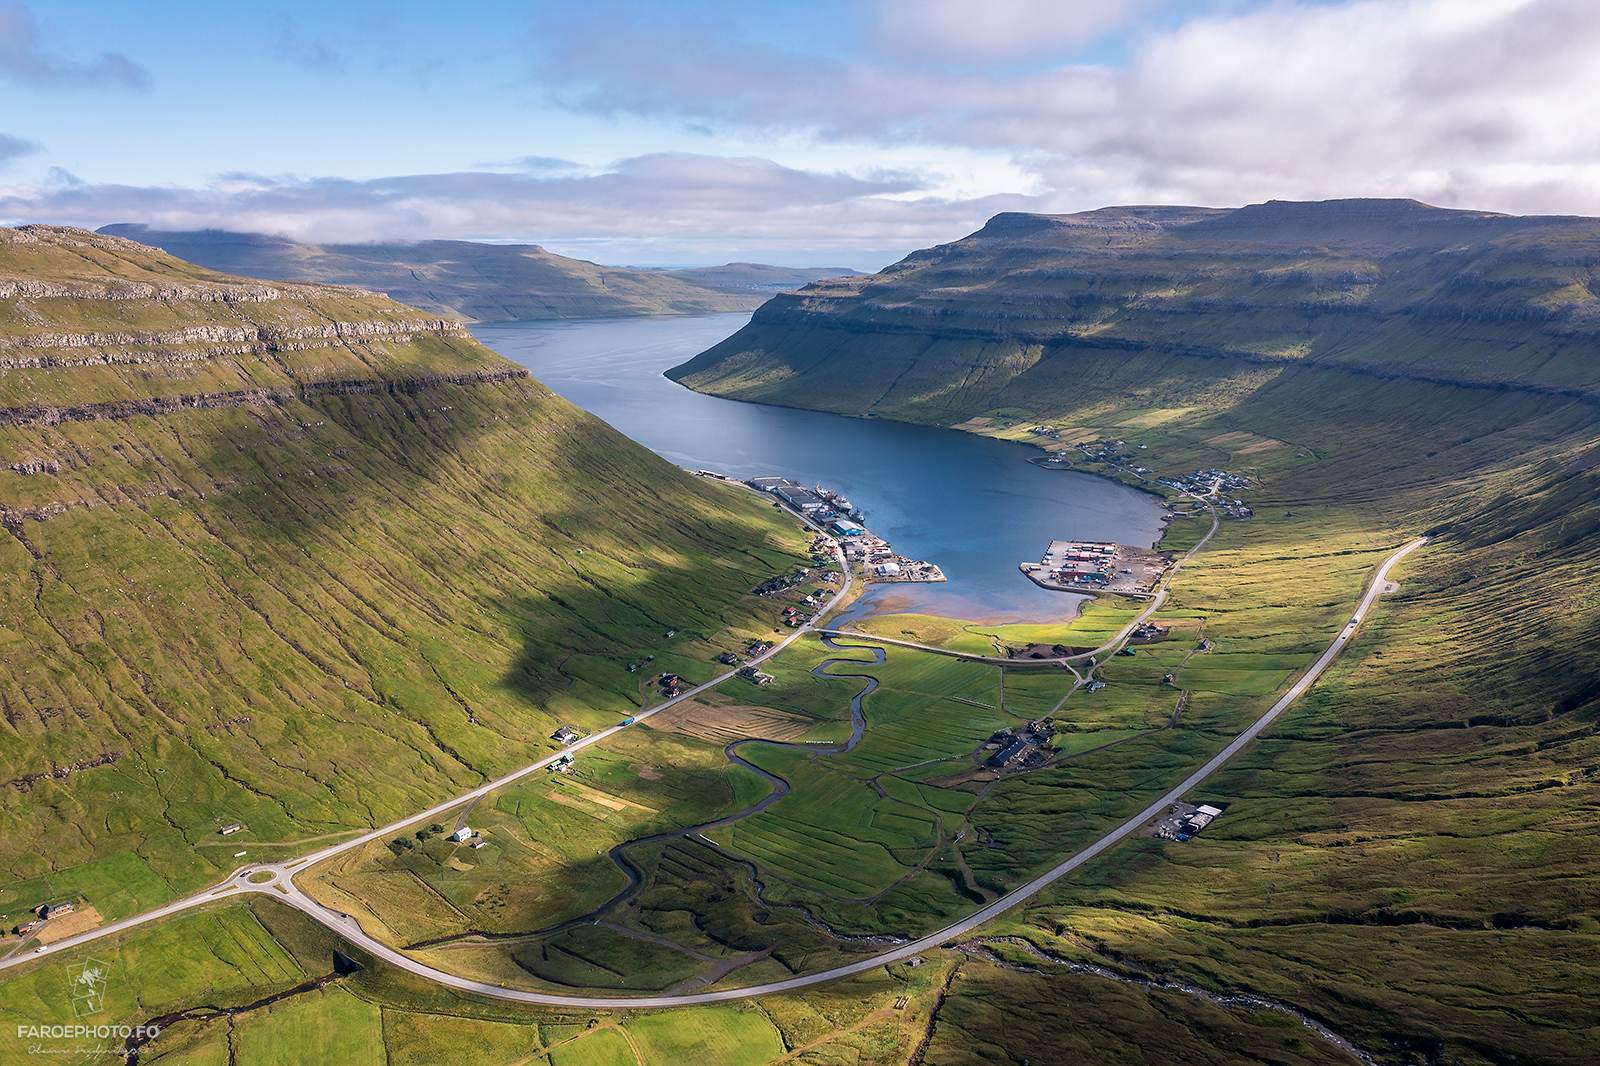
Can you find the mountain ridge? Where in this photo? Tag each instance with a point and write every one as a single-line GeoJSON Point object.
{"type": "Point", "coordinates": [1394, 288]}
{"type": "Point", "coordinates": [304, 558]}
{"type": "Point", "coordinates": [476, 281]}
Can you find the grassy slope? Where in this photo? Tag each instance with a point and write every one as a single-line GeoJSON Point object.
{"type": "Point", "coordinates": [1410, 855]}
{"type": "Point", "coordinates": [309, 613]}
{"type": "Point", "coordinates": [235, 956]}
{"type": "Point", "coordinates": [479, 282]}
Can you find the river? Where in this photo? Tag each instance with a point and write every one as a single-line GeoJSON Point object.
{"type": "Point", "coordinates": [971, 504]}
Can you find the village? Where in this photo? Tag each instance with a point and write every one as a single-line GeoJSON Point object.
{"type": "Point", "coordinates": [1213, 482]}
{"type": "Point", "coordinates": [1096, 566]}
{"type": "Point", "coordinates": [877, 558]}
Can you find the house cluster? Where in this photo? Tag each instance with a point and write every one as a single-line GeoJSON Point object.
{"type": "Point", "coordinates": [43, 913]}
{"type": "Point", "coordinates": [755, 677]}
{"type": "Point", "coordinates": [882, 563]}
{"type": "Point", "coordinates": [1148, 633]}
{"type": "Point", "coordinates": [1184, 820]}
{"type": "Point", "coordinates": [843, 519]}
{"type": "Point", "coordinates": [1216, 483]}
{"type": "Point", "coordinates": [1021, 749]}
{"type": "Point", "coordinates": [783, 582]}
{"type": "Point", "coordinates": [1114, 452]}
{"type": "Point", "coordinates": [670, 685]}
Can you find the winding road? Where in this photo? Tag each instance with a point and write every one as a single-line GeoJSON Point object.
{"type": "Point", "coordinates": [276, 880]}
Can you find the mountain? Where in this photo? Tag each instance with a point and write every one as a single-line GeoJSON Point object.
{"type": "Point", "coordinates": [479, 282]}
{"type": "Point", "coordinates": [304, 558]}
{"type": "Point", "coordinates": [1023, 311]}
{"type": "Point", "coordinates": [1376, 369]}
{"type": "Point", "coordinates": [758, 278]}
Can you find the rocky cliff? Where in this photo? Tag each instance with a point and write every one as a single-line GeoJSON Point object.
{"type": "Point", "coordinates": [1010, 315]}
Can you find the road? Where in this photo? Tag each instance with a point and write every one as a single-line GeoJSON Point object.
{"type": "Point", "coordinates": [348, 927]}
{"type": "Point", "coordinates": [277, 880]}
{"type": "Point", "coordinates": [282, 873]}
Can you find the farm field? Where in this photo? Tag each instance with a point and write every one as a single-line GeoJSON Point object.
{"type": "Point", "coordinates": [280, 1012]}
{"type": "Point", "coordinates": [1097, 621]}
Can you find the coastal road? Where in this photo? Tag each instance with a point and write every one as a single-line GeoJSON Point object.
{"type": "Point", "coordinates": [277, 878]}
{"type": "Point", "coordinates": [347, 926]}
{"type": "Point", "coordinates": [277, 881]}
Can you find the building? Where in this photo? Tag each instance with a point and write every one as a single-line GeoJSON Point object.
{"type": "Point", "coordinates": [1011, 753]}
{"type": "Point", "coordinates": [53, 910]}
{"type": "Point", "coordinates": [889, 569]}
{"type": "Point", "coordinates": [230, 829]}
{"type": "Point", "coordinates": [565, 735]}
{"type": "Point", "coordinates": [461, 834]}
{"type": "Point", "coordinates": [755, 677]}
{"type": "Point", "coordinates": [846, 528]}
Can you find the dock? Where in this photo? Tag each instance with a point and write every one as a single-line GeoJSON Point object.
{"type": "Point", "coordinates": [1096, 566]}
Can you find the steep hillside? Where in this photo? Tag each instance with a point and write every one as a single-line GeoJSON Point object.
{"type": "Point", "coordinates": [303, 558]}
{"type": "Point", "coordinates": [1409, 854]}
{"type": "Point", "coordinates": [1016, 313]}
{"type": "Point", "coordinates": [758, 278]}
{"type": "Point", "coordinates": [480, 282]}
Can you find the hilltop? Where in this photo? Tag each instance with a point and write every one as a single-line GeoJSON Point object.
{"type": "Point", "coordinates": [481, 282]}
{"type": "Point", "coordinates": [303, 558]}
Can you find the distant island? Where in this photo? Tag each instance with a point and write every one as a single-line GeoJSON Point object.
{"type": "Point", "coordinates": [482, 282]}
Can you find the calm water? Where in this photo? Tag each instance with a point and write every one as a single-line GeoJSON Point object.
{"type": "Point", "coordinates": [972, 505]}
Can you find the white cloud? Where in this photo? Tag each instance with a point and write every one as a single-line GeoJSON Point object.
{"type": "Point", "coordinates": [997, 29]}
{"type": "Point", "coordinates": [1442, 99]}
{"type": "Point", "coordinates": [14, 148]}
{"type": "Point", "coordinates": [24, 60]}
{"type": "Point", "coordinates": [670, 197]}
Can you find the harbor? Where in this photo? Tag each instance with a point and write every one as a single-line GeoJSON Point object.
{"type": "Point", "coordinates": [873, 555]}
{"type": "Point", "coordinates": [971, 504]}
{"type": "Point", "coordinates": [1096, 566]}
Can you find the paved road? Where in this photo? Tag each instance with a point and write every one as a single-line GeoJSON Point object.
{"type": "Point", "coordinates": [347, 926]}
{"type": "Point", "coordinates": [283, 872]}
{"type": "Point", "coordinates": [277, 881]}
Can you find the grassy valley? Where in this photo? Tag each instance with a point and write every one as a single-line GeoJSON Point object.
{"type": "Point", "coordinates": [304, 559]}
{"type": "Point", "coordinates": [1404, 855]}
{"type": "Point", "coordinates": [1403, 871]}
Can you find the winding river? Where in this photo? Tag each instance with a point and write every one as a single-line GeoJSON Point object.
{"type": "Point", "coordinates": [971, 504]}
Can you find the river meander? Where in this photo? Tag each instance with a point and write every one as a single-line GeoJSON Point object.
{"type": "Point", "coordinates": [971, 504]}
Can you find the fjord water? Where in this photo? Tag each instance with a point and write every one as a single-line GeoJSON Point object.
{"type": "Point", "coordinates": [973, 505]}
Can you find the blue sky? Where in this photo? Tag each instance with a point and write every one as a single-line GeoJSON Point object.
{"type": "Point", "coordinates": [823, 133]}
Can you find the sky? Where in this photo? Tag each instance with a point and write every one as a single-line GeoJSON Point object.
{"type": "Point", "coordinates": [823, 133]}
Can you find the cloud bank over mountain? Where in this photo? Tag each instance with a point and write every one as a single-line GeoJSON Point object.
{"type": "Point", "coordinates": [883, 127]}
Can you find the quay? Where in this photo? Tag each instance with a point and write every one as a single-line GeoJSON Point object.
{"type": "Point", "coordinates": [876, 556]}
{"type": "Point", "coordinates": [1096, 566]}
